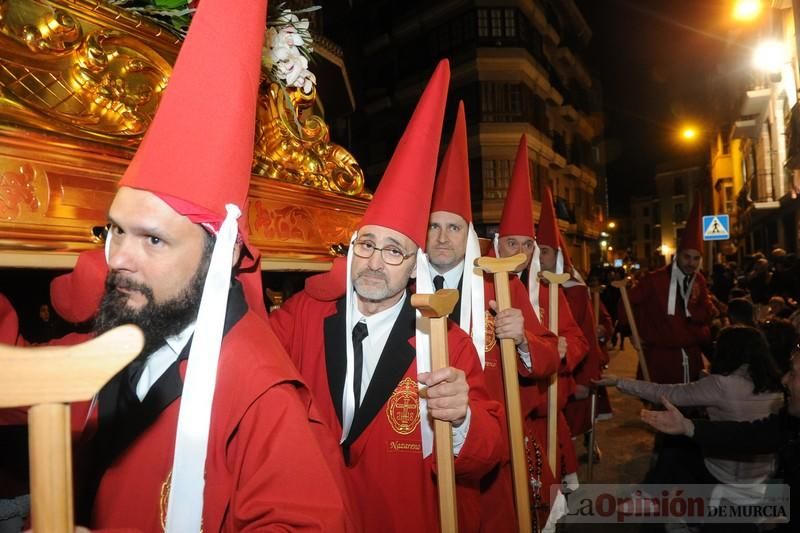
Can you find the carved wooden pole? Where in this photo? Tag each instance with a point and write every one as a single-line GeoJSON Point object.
{"type": "Point", "coordinates": [508, 353]}
{"type": "Point", "coordinates": [47, 379]}
{"type": "Point", "coordinates": [552, 391]}
{"type": "Point", "coordinates": [622, 285]}
{"type": "Point", "coordinates": [437, 307]}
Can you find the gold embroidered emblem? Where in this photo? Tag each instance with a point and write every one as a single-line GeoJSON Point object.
{"type": "Point", "coordinates": [491, 340]}
{"type": "Point", "coordinates": [164, 500]}
{"type": "Point", "coordinates": [403, 407]}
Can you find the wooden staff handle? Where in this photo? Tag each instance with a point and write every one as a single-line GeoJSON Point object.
{"type": "Point", "coordinates": [596, 290]}
{"type": "Point", "coordinates": [436, 307]}
{"type": "Point", "coordinates": [500, 267]}
{"type": "Point", "coordinates": [45, 378]}
{"type": "Point", "coordinates": [552, 390]}
{"type": "Point", "coordinates": [622, 285]}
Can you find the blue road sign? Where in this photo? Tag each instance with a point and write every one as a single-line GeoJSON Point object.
{"type": "Point", "coordinates": [716, 228]}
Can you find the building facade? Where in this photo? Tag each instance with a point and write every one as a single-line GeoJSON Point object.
{"type": "Point", "coordinates": [518, 67]}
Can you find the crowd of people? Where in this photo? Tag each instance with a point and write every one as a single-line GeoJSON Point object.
{"type": "Point", "coordinates": [321, 412]}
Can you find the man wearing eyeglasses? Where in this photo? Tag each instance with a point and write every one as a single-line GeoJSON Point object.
{"type": "Point", "coordinates": [353, 335]}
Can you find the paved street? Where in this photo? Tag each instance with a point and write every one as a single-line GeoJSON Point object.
{"type": "Point", "coordinates": [625, 441]}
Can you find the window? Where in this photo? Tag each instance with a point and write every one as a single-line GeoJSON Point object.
{"type": "Point", "coordinates": [678, 213]}
{"type": "Point", "coordinates": [483, 23]}
{"type": "Point", "coordinates": [497, 22]}
{"type": "Point", "coordinates": [510, 23]}
{"type": "Point", "coordinates": [678, 186]}
{"type": "Point", "coordinates": [729, 198]}
{"type": "Point", "coordinates": [496, 176]}
{"type": "Point", "coordinates": [646, 231]}
{"type": "Point", "coordinates": [646, 212]}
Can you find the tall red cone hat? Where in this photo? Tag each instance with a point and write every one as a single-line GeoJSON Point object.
{"type": "Point", "coordinates": [451, 192]}
{"type": "Point", "coordinates": [196, 156]}
{"type": "Point", "coordinates": [547, 232]}
{"type": "Point", "coordinates": [517, 217]}
{"type": "Point", "coordinates": [403, 198]}
{"type": "Point", "coordinates": [197, 153]}
{"type": "Point", "coordinates": [692, 238]}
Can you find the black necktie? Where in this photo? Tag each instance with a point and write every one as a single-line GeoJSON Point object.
{"type": "Point", "coordinates": [686, 281]}
{"type": "Point", "coordinates": [438, 282]}
{"type": "Point", "coordinates": [359, 334]}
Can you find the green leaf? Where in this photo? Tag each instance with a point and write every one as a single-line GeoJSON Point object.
{"type": "Point", "coordinates": [170, 4]}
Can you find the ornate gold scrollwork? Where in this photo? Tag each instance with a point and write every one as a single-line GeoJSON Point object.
{"type": "Point", "coordinates": [92, 71]}
{"type": "Point", "coordinates": [292, 148]}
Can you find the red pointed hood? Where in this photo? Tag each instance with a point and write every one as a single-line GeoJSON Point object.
{"type": "Point", "coordinates": [517, 218]}
{"type": "Point", "coordinates": [692, 238]}
{"type": "Point", "coordinates": [197, 153]}
{"type": "Point", "coordinates": [547, 232]}
{"type": "Point", "coordinates": [402, 200]}
{"type": "Point", "coordinates": [451, 192]}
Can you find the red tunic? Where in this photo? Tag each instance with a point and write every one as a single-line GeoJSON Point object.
{"type": "Point", "coordinates": [497, 494]}
{"type": "Point", "coordinates": [268, 464]}
{"type": "Point", "coordinates": [577, 412]}
{"type": "Point", "coordinates": [663, 335]}
{"type": "Point", "coordinates": [390, 481]}
{"type": "Point", "coordinates": [577, 348]}
{"type": "Point", "coordinates": [9, 323]}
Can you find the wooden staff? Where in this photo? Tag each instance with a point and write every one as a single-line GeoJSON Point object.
{"type": "Point", "coordinates": [552, 391]}
{"type": "Point", "coordinates": [622, 285]}
{"type": "Point", "coordinates": [437, 307]}
{"type": "Point", "coordinates": [596, 290]}
{"type": "Point", "coordinates": [47, 379]}
{"type": "Point", "coordinates": [500, 267]}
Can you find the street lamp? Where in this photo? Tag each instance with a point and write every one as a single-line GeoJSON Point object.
{"type": "Point", "coordinates": [769, 56]}
{"type": "Point", "coordinates": [612, 225]}
{"type": "Point", "coordinates": [689, 133]}
{"type": "Point", "coordinates": [747, 10]}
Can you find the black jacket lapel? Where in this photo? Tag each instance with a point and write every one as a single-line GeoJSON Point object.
{"type": "Point", "coordinates": [336, 354]}
{"type": "Point", "coordinates": [395, 359]}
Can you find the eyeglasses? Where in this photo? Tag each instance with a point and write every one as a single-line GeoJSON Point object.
{"type": "Point", "coordinates": [391, 255]}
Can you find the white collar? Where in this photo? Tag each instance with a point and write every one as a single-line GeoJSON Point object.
{"type": "Point", "coordinates": [178, 342]}
{"type": "Point", "coordinates": [452, 277]}
{"type": "Point", "coordinates": [380, 320]}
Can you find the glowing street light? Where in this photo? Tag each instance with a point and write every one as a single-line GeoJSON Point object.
{"type": "Point", "coordinates": [770, 56]}
{"type": "Point", "coordinates": [612, 225]}
{"type": "Point", "coordinates": [747, 10]}
{"type": "Point", "coordinates": [689, 133]}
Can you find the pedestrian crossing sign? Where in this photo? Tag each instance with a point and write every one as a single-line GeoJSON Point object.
{"type": "Point", "coordinates": [716, 228]}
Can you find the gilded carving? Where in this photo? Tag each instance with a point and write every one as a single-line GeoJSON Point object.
{"type": "Point", "coordinates": [293, 148]}
{"type": "Point", "coordinates": [320, 227]}
{"type": "Point", "coordinates": [21, 191]}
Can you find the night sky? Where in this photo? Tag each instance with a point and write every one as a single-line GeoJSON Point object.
{"type": "Point", "coordinates": [661, 63]}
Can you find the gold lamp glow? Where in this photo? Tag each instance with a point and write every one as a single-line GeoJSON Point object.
{"type": "Point", "coordinates": [747, 10]}
{"type": "Point", "coordinates": [769, 56]}
{"type": "Point", "coordinates": [689, 133]}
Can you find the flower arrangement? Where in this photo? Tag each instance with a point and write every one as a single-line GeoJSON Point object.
{"type": "Point", "coordinates": [288, 43]}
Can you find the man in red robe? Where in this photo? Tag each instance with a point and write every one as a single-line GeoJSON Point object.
{"type": "Point", "coordinates": [673, 311]}
{"type": "Point", "coordinates": [554, 257]}
{"type": "Point", "coordinates": [211, 428]}
{"type": "Point", "coordinates": [364, 357]}
{"type": "Point", "coordinates": [452, 248]}
{"type": "Point", "coordinates": [516, 234]}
